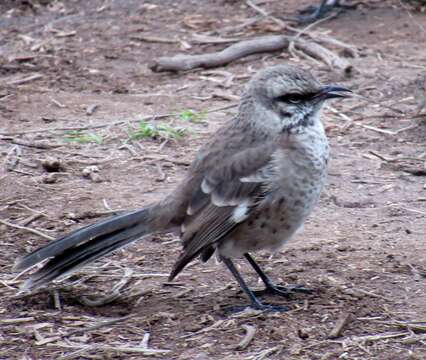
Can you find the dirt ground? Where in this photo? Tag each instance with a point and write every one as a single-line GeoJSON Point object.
{"type": "Point", "coordinates": [75, 86]}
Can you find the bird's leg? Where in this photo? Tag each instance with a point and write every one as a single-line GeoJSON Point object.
{"type": "Point", "coordinates": [255, 303]}
{"type": "Point", "coordinates": [272, 288]}
{"type": "Point", "coordinates": [316, 12]}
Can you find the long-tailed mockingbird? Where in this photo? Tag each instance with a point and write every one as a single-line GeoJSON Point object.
{"type": "Point", "coordinates": [249, 188]}
{"type": "Point", "coordinates": [315, 13]}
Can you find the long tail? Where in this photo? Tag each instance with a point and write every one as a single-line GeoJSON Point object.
{"type": "Point", "coordinates": [87, 244]}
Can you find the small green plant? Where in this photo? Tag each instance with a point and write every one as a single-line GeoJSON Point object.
{"type": "Point", "coordinates": [192, 116]}
{"type": "Point", "coordinates": [150, 130]}
{"type": "Point", "coordinates": [144, 130]}
{"type": "Point", "coordinates": [82, 138]}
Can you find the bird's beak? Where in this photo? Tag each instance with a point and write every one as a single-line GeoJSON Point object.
{"type": "Point", "coordinates": [333, 91]}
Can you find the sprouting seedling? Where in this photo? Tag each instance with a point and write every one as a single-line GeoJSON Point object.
{"type": "Point", "coordinates": [82, 138]}
{"type": "Point", "coordinates": [192, 116]}
{"type": "Point", "coordinates": [170, 132]}
{"type": "Point", "coordinates": [150, 130]}
{"type": "Point", "coordinates": [144, 130]}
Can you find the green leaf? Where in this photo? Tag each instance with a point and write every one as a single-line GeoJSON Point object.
{"type": "Point", "coordinates": [192, 116]}
{"type": "Point", "coordinates": [82, 138]}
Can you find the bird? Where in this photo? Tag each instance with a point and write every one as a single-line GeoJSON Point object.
{"type": "Point", "coordinates": [249, 188]}
{"type": "Point", "coordinates": [317, 12]}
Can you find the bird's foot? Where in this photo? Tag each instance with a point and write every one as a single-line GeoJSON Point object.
{"type": "Point", "coordinates": [285, 291]}
{"type": "Point", "coordinates": [313, 13]}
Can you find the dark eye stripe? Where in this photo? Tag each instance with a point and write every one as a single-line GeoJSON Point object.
{"type": "Point", "coordinates": [294, 97]}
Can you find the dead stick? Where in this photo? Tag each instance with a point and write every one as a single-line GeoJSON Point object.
{"type": "Point", "coordinates": [110, 348]}
{"type": "Point", "coordinates": [327, 56]}
{"type": "Point", "coordinates": [250, 332]}
{"type": "Point", "coordinates": [25, 79]}
{"type": "Point", "coordinates": [183, 62]}
{"type": "Point", "coordinates": [265, 14]}
{"type": "Point", "coordinates": [16, 320]}
{"type": "Point", "coordinates": [342, 321]}
{"type": "Point", "coordinates": [34, 231]}
{"type": "Point", "coordinates": [234, 52]}
{"type": "Point", "coordinates": [35, 144]}
{"type": "Point", "coordinates": [96, 326]}
{"type": "Point", "coordinates": [154, 39]}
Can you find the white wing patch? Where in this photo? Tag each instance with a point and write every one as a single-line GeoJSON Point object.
{"type": "Point", "coordinates": [218, 201]}
{"type": "Point", "coordinates": [240, 213]}
{"type": "Point", "coordinates": [206, 188]}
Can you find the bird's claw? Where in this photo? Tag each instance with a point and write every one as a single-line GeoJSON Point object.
{"type": "Point", "coordinates": [283, 290]}
{"type": "Point", "coordinates": [311, 13]}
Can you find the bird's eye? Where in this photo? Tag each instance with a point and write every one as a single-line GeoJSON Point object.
{"type": "Point", "coordinates": [291, 98]}
{"type": "Point", "coordinates": [294, 98]}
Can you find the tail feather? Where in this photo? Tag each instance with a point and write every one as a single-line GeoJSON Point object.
{"type": "Point", "coordinates": [85, 245]}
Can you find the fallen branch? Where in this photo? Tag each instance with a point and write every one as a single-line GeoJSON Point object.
{"type": "Point", "coordinates": [182, 62]}
{"type": "Point", "coordinates": [234, 52]}
{"type": "Point", "coordinates": [330, 58]}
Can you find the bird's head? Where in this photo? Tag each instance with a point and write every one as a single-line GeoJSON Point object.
{"type": "Point", "coordinates": [287, 97]}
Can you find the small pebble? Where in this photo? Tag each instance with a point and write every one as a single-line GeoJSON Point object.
{"type": "Point", "coordinates": [92, 172]}
{"type": "Point", "coordinates": [52, 164]}
{"type": "Point", "coordinates": [50, 178]}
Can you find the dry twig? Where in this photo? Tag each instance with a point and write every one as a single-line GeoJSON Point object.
{"type": "Point", "coordinates": [234, 52]}
{"type": "Point", "coordinates": [327, 56]}
{"type": "Point", "coordinates": [97, 326]}
{"type": "Point", "coordinates": [31, 230]}
{"type": "Point", "coordinates": [341, 322]}
{"type": "Point", "coordinates": [25, 79]}
{"type": "Point", "coordinates": [378, 337]}
{"type": "Point", "coordinates": [183, 62]}
{"type": "Point", "coordinates": [111, 348]}
{"type": "Point", "coordinates": [114, 294]}
{"type": "Point", "coordinates": [16, 321]}
{"type": "Point", "coordinates": [250, 332]}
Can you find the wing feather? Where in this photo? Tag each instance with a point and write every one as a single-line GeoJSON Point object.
{"type": "Point", "coordinates": [225, 198]}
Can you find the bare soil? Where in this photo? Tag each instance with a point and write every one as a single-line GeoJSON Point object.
{"type": "Point", "coordinates": [75, 64]}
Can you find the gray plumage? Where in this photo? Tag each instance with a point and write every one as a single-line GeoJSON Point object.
{"type": "Point", "coordinates": [250, 188]}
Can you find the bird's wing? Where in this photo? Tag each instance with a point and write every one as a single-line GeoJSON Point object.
{"type": "Point", "coordinates": [225, 198]}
